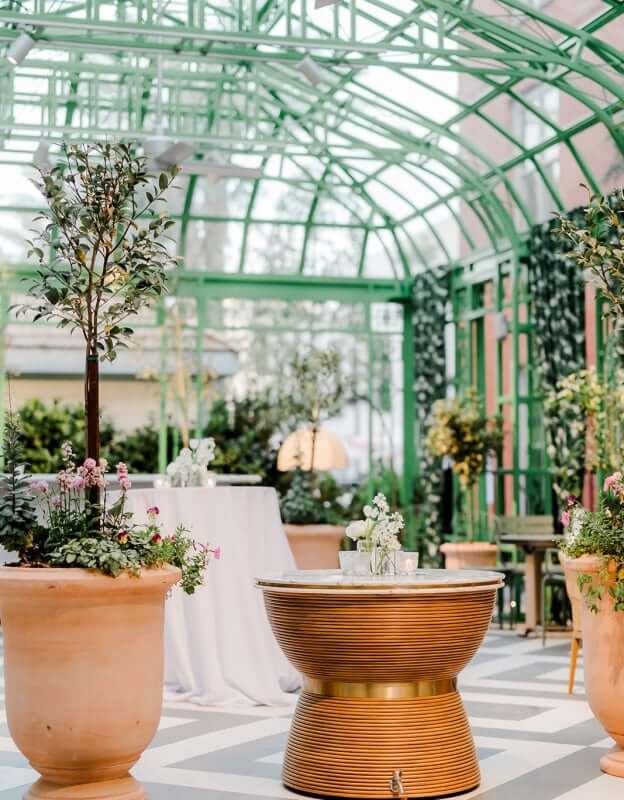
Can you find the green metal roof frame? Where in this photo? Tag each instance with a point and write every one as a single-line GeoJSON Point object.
{"type": "Point", "coordinates": [231, 84]}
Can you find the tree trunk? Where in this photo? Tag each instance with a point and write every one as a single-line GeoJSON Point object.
{"type": "Point", "coordinates": [92, 415]}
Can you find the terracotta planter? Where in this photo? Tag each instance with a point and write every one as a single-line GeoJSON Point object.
{"type": "Point", "coordinates": [603, 647]}
{"type": "Point", "coordinates": [315, 546]}
{"type": "Point", "coordinates": [469, 555]}
{"type": "Point", "coordinates": [83, 666]}
{"type": "Point", "coordinates": [574, 593]}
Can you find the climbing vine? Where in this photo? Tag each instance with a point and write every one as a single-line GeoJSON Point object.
{"type": "Point", "coordinates": [430, 297]}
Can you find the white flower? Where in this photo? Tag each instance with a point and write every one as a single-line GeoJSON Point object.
{"type": "Point", "coordinates": [186, 456]}
{"type": "Point", "coordinates": [194, 444]}
{"type": "Point", "coordinates": [370, 512]}
{"type": "Point", "coordinates": [358, 529]}
{"type": "Point", "coordinates": [382, 504]}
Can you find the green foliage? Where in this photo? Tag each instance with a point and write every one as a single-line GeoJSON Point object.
{"type": "Point", "coordinates": [312, 499]}
{"type": "Point", "coordinates": [313, 388]}
{"type": "Point", "coordinates": [18, 515]}
{"type": "Point", "coordinates": [47, 426]}
{"type": "Point", "coordinates": [140, 548]}
{"type": "Point", "coordinates": [76, 531]}
{"type": "Point", "coordinates": [599, 533]}
{"type": "Point", "coordinates": [578, 399]}
{"type": "Point", "coordinates": [139, 448]}
{"type": "Point", "coordinates": [245, 432]}
{"type": "Point", "coordinates": [461, 431]}
{"type": "Point", "coordinates": [101, 251]}
{"type": "Point", "coordinates": [598, 244]}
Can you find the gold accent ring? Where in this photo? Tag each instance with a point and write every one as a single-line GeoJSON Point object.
{"type": "Point", "coordinates": [379, 691]}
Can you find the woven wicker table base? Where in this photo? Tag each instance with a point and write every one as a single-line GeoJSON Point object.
{"type": "Point", "coordinates": [351, 748]}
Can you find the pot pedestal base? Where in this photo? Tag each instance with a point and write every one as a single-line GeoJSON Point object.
{"type": "Point", "coordinates": [118, 789]}
{"type": "Point", "coordinates": [613, 762]}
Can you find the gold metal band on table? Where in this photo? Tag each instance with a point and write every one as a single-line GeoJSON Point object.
{"type": "Point", "coordinates": [379, 691]}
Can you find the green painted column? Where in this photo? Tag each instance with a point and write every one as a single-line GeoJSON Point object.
{"type": "Point", "coordinates": [409, 418]}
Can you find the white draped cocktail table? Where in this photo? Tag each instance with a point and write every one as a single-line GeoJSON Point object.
{"type": "Point", "coordinates": [219, 648]}
{"type": "Point", "coordinates": [380, 715]}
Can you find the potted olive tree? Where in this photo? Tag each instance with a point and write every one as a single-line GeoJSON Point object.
{"type": "Point", "coordinates": [594, 543]}
{"type": "Point", "coordinates": [82, 609]}
{"type": "Point", "coordinates": [313, 392]}
{"type": "Point", "coordinates": [460, 431]}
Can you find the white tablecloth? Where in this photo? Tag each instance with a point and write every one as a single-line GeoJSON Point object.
{"type": "Point", "coordinates": [219, 648]}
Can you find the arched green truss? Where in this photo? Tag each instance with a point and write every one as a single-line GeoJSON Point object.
{"type": "Point", "coordinates": [382, 152]}
{"type": "Point", "coordinates": [231, 86]}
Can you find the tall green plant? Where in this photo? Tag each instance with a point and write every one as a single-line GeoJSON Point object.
{"type": "Point", "coordinates": [18, 516]}
{"type": "Point", "coordinates": [101, 252]}
{"type": "Point", "coordinates": [314, 389]}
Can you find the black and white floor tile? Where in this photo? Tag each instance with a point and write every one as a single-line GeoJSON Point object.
{"type": "Point", "coordinates": [534, 740]}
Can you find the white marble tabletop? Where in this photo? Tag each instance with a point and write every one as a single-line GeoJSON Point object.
{"type": "Point", "coordinates": [419, 580]}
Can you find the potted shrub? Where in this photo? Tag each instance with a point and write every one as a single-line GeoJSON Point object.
{"type": "Point", "coordinates": [593, 544]}
{"type": "Point", "coordinates": [82, 609]}
{"type": "Point", "coordinates": [593, 548]}
{"type": "Point", "coordinates": [313, 520]}
{"type": "Point", "coordinates": [458, 430]}
{"type": "Point", "coordinates": [313, 391]}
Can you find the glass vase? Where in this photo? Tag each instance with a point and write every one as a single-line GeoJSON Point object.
{"type": "Point", "coordinates": [378, 560]}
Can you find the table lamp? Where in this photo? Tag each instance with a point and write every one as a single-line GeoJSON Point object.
{"type": "Point", "coordinates": [311, 449]}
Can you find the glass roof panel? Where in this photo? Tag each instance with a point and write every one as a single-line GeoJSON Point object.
{"type": "Point", "coordinates": [358, 114]}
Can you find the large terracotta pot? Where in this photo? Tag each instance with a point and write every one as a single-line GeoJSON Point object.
{"type": "Point", "coordinates": [469, 555]}
{"type": "Point", "coordinates": [574, 593]}
{"type": "Point", "coordinates": [603, 646]}
{"type": "Point", "coordinates": [315, 546]}
{"type": "Point", "coordinates": [83, 664]}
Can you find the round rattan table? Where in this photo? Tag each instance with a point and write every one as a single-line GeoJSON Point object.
{"type": "Point", "coordinates": [379, 715]}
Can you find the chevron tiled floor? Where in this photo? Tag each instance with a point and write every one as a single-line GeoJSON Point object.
{"type": "Point", "coordinates": [534, 740]}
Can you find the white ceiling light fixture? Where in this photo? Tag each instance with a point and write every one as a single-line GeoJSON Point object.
{"type": "Point", "coordinates": [310, 70]}
{"type": "Point", "coordinates": [20, 48]}
{"type": "Point", "coordinates": [179, 152]}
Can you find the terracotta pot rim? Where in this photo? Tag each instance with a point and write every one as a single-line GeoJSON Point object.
{"type": "Point", "coordinates": [77, 576]}
{"type": "Point", "coordinates": [586, 563]}
{"type": "Point", "coordinates": [450, 546]}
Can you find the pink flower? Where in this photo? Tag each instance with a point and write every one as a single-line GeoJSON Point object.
{"type": "Point", "coordinates": [90, 463]}
{"type": "Point", "coordinates": [65, 480]}
{"type": "Point", "coordinates": [122, 536]}
{"type": "Point", "coordinates": [614, 481]}
{"type": "Point", "coordinates": [78, 483]}
{"type": "Point", "coordinates": [156, 538]}
{"type": "Point", "coordinates": [216, 553]}
{"type": "Point", "coordinates": [39, 486]}
{"type": "Point", "coordinates": [153, 511]}
{"type": "Point", "coordinates": [125, 484]}
{"type": "Point", "coordinates": [572, 500]}
{"type": "Point", "coordinates": [56, 501]}
{"type": "Point", "coordinates": [122, 470]}
{"type": "Point", "coordinates": [565, 519]}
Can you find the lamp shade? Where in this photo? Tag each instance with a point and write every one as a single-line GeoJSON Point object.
{"type": "Point", "coordinates": [311, 450]}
